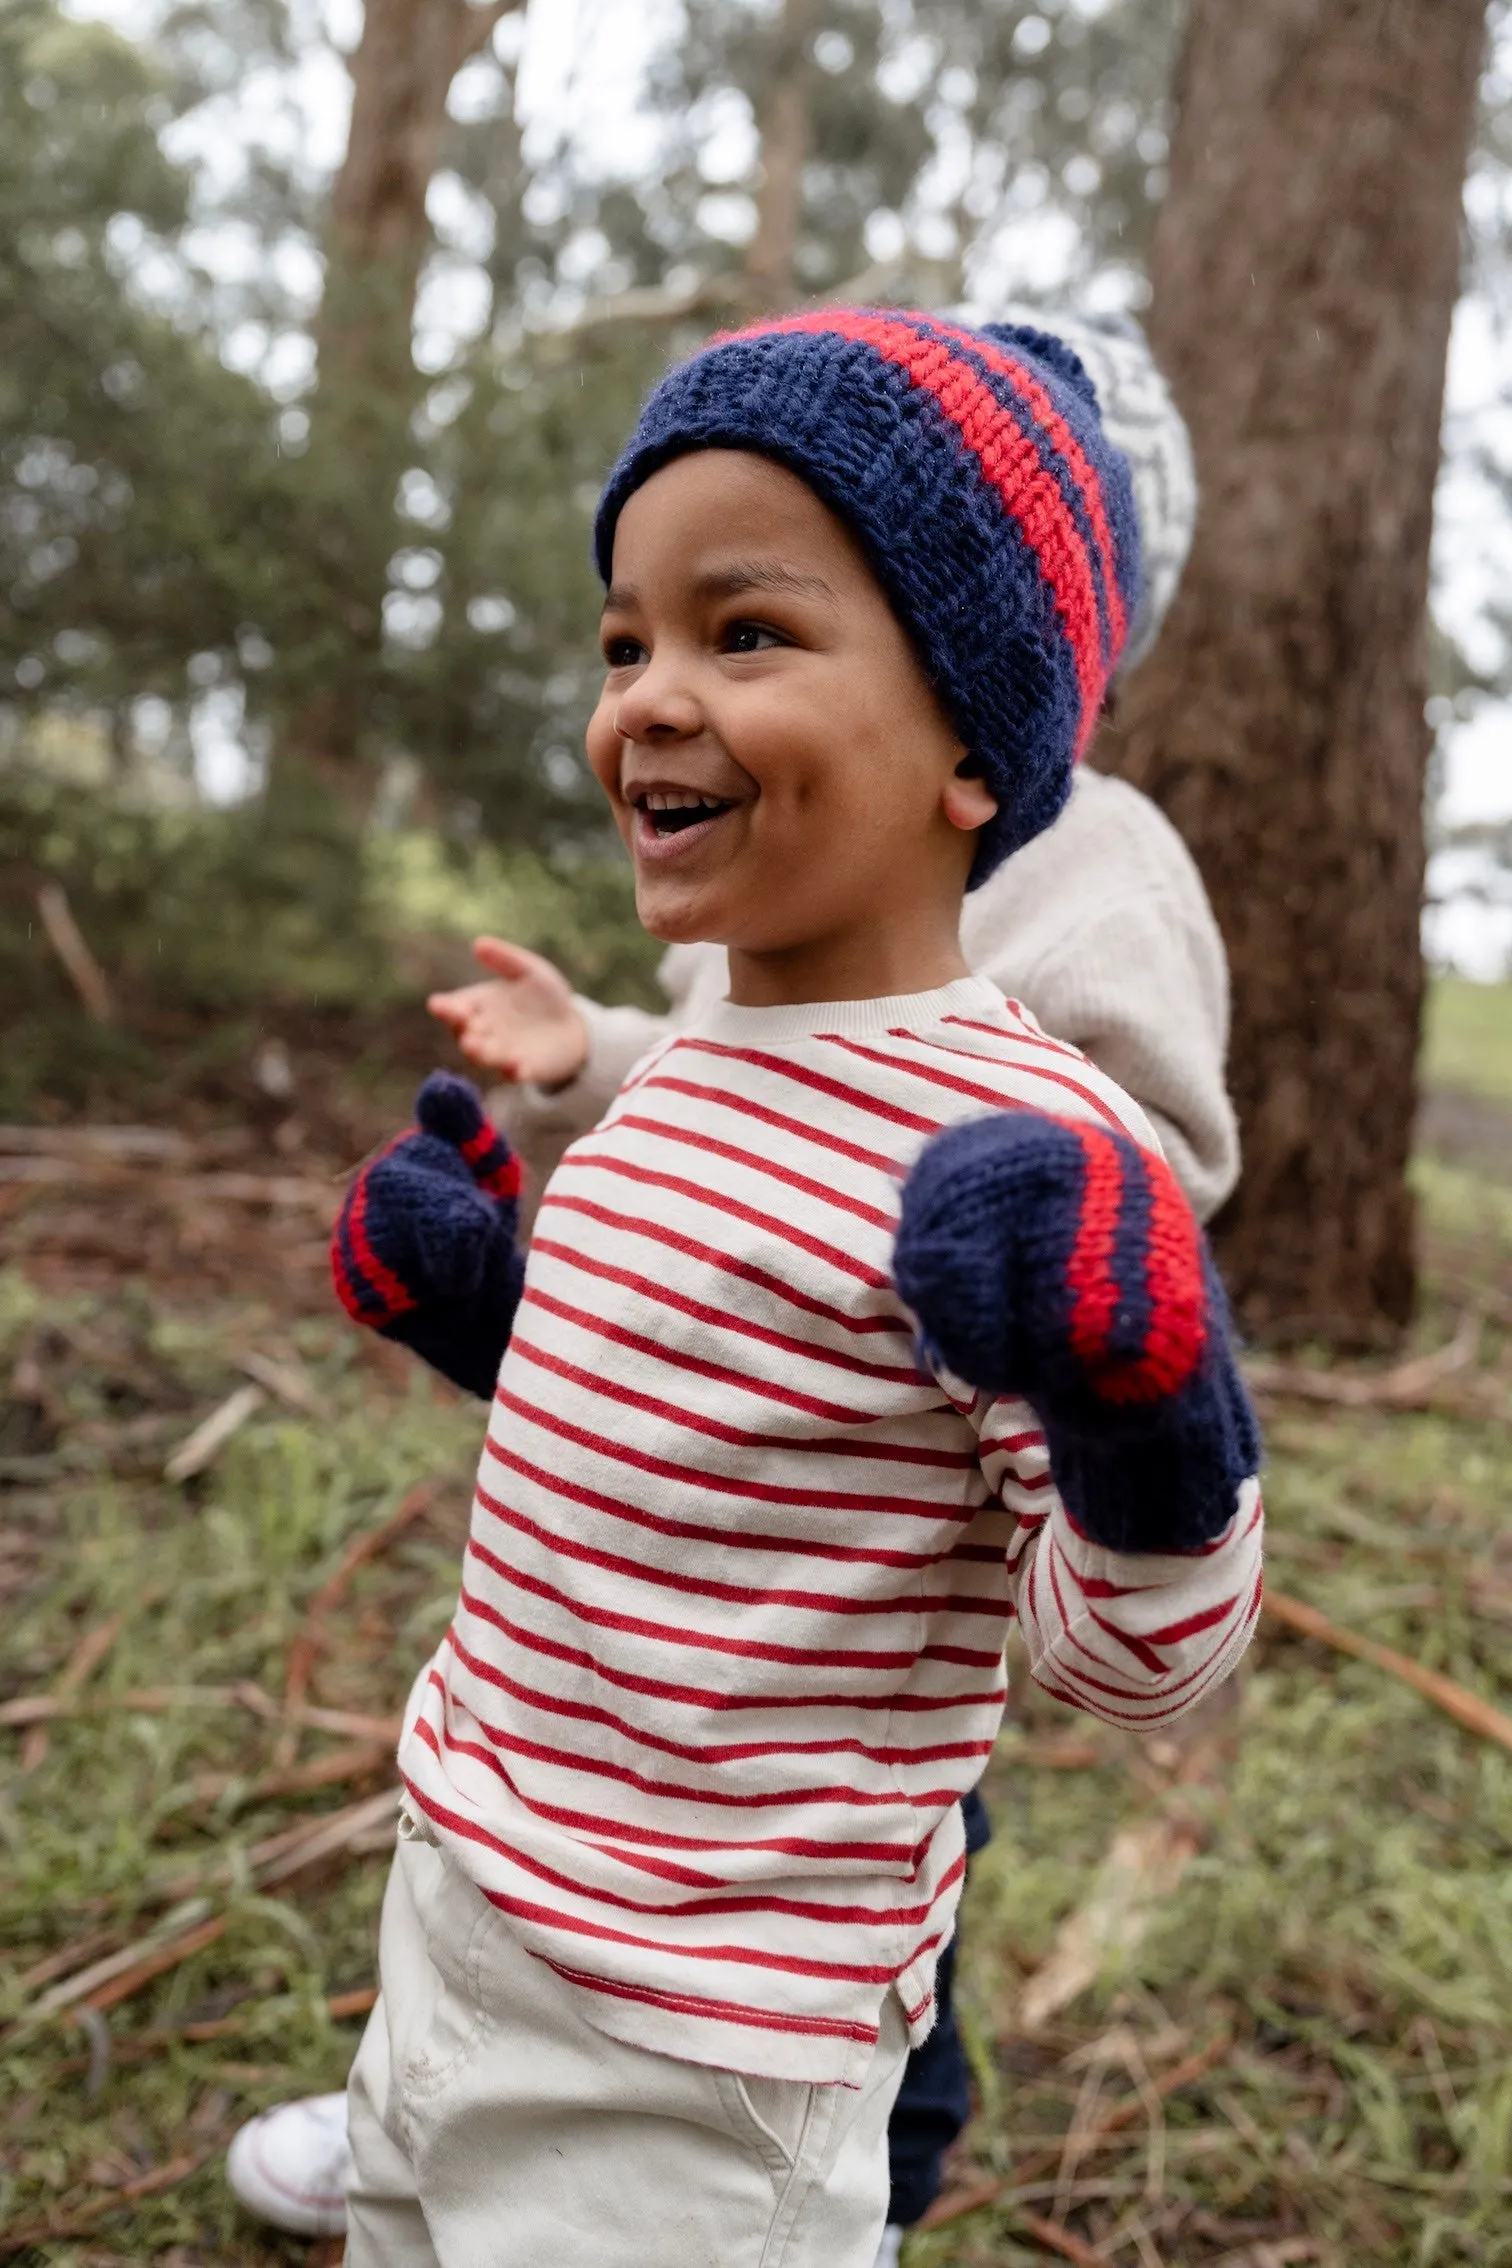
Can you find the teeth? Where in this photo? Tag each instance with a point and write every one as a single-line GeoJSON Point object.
{"type": "Point", "coordinates": [675, 799]}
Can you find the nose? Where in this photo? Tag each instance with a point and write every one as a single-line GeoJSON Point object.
{"type": "Point", "coordinates": [661, 705]}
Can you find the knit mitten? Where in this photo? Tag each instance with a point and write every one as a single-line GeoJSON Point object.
{"type": "Point", "coordinates": [424, 1250]}
{"type": "Point", "coordinates": [1060, 1261]}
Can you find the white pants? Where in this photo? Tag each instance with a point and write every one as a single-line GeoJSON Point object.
{"type": "Point", "coordinates": [493, 2126]}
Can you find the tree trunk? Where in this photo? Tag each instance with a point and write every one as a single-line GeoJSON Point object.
{"type": "Point", "coordinates": [367, 387]}
{"type": "Point", "coordinates": [785, 133]}
{"type": "Point", "coordinates": [1304, 273]}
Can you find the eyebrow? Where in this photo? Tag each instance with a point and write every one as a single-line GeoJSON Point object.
{"type": "Point", "coordinates": [732, 582]}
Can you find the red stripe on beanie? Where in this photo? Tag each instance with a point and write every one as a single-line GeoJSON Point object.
{"type": "Point", "coordinates": [1005, 453]}
{"type": "Point", "coordinates": [1088, 485]}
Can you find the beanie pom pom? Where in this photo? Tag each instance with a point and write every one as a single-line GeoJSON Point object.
{"type": "Point", "coordinates": [1046, 348]}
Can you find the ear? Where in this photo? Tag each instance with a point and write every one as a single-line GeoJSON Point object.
{"type": "Point", "coordinates": [967, 801]}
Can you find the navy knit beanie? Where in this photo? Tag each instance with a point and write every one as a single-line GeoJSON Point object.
{"type": "Point", "coordinates": [974, 471]}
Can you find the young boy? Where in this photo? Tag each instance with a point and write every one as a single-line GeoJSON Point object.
{"type": "Point", "coordinates": [1100, 925]}
{"type": "Point", "coordinates": [1101, 928]}
{"type": "Point", "coordinates": [728, 1647]}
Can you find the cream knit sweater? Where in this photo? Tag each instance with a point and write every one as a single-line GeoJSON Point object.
{"type": "Point", "coordinates": [1100, 926]}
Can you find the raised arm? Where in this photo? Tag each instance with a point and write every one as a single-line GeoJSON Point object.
{"type": "Point", "coordinates": [1055, 1267]}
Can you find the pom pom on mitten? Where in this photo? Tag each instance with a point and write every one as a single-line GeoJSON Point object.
{"type": "Point", "coordinates": [1060, 1261]}
{"type": "Point", "coordinates": [424, 1249]}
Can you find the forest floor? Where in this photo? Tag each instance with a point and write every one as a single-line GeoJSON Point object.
{"type": "Point", "coordinates": [1245, 1998]}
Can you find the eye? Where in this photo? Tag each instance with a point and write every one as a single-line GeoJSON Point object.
{"type": "Point", "coordinates": [623, 653]}
{"type": "Point", "coordinates": [752, 638]}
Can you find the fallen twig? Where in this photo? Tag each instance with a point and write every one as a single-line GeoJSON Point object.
{"type": "Point", "coordinates": [156, 1145]}
{"type": "Point", "coordinates": [158, 2038]}
{"type": "Point", "coordinates": [207, 1440]}
{"type": "Point", "coordinates": [329, 1771]}
{"type": "Point", "coordinates": [25, 2234]}
{"type": "Point", "coordinates": [69, 943]}
{"type": "Point", "coordinates": [363, 1826]}
{"type": "Point", "coordinates": [301, 1663]}
{"type": "Point", "coordinates": [1144, 1863]}
{"type": "Point", "coordinates": [1123, 2115]}
{"type": "Point", "coordinates": [155, 1700]}
{"type": "Point", "coordinates": [1060, 1753]}
{"type": "Point", "coordinates": [80, 1666]}
{"type": "Point", "coordinates": [67, 1957]}
{"type": "Point", "coordinates": [1466, 1708]}
{"type": "Point", "coordinates": [284, 1381]}
{"type": "Point", "coordinates": [1059, 2240]}
{"type": "Point", "coordinates": [1409, 1386]}
{"type": "Point", "coordinates": [146, 1958]}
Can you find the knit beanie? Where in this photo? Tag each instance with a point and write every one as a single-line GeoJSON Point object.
{"type": "Point", "coordinates": [973, 469]}
{"type": "Point", "coordinates": [1140, 418]}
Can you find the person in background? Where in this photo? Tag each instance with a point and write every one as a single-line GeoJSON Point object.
{"type": "Point", "coordinates": [1101, 928]}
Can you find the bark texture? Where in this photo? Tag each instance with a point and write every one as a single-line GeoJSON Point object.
{"type": "Point", "coordinates": [377, 237]}
{"type": "Point", "coordinates": [1304, 274]}
{"type": "Point", "coordinates": [785, 130]}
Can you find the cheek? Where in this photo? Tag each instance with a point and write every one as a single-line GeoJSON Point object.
{"type": "Point", "coordinates": [601, 742]}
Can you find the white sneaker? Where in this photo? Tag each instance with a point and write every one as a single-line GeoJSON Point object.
{"type": "Point", "coordinates": [291, 2166]}
{"type": "Point", "coordinates": [890, 2247]}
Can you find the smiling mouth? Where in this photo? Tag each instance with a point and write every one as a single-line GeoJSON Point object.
{"type": "Point", "coordinates": [672, 813]}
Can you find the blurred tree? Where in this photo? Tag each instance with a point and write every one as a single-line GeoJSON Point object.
{"type": "Point", "coordinates": [142, 513]}
{"type": "Point", "coordinates": [377, 236]}
{"type": "Point", "coordinates": [1304, 273]}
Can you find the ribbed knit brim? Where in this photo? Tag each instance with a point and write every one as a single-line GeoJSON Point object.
{"type": "Point", "coordinates": [973, 469]}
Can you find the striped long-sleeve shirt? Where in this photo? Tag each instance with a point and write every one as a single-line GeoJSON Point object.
{"type": "Point", "coordinates": [729, 1645]}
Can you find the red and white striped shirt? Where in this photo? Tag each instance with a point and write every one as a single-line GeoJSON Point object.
{"type": "Point", "coordinates": [730, 1639]}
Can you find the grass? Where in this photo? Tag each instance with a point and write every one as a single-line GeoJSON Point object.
{"type": "Point", "coordinates": [1346, 1923]}
{"type": "Point", "coordinates": [1468, 1038]}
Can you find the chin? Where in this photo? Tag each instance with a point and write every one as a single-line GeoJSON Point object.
{"type": "Point", "coordinates": [676, 917]}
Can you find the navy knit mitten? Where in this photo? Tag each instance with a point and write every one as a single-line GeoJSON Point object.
{"type": "Point", "coordinates": [424, 1250]}
{"type": "Point", "coordinates": [1060, 1261]}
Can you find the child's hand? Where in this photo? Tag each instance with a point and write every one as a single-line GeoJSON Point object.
{"type": "Point", "coordinates": [1058, 1260]}
{"type": "Point", "coordinates": [523, 1023]}
{"type": "Point", "coordinates": [424, 1248]}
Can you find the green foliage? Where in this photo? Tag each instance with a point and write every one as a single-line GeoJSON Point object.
{"type": "Point", "coordinates": [142, 514]}
{"type": "Point", "coordinates": [219, 919]}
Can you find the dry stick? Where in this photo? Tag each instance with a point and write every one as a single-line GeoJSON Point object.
{"type": "Point", "coordinates": [208, 1439]}
{"type": "Point", "coordinates": [158, 2038]}
{"type": "Point", "coordinates": [120, 1974]}
{"type": "Point", "coordinates": [281, 1378]}
{"type": "Point", "coordinates": [172, 1954]}
{"type": "Point", "coordinates": [329, 1771]}
{"type": "Point", "coordinates": [415, 1504]}
{"type": "Point", "coordinates": [155, 1700]}
{"type": "Point", "coordinates": [154, 1145]}
{"type": "Point", "coordinates": [66, 1958]}
{"type": "Point", "coordinates": [67, 941]}
{"type": "Point", "coordinates": [80, 2222]}
{"type": "Point", "coordinates": [1407, 1387]}
{"type": "Point", "coordinates": [1043, 2161]}
{"type": "Point", "coordinates": [77, 1671]}
{"type": "Point", "coordinates": [1056, 2239]}
{"type": "Point", "coordinates": [1467, 1708]}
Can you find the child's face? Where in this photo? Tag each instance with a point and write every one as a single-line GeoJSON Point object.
{"type": "Point", "coordinates": [773, 753]}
